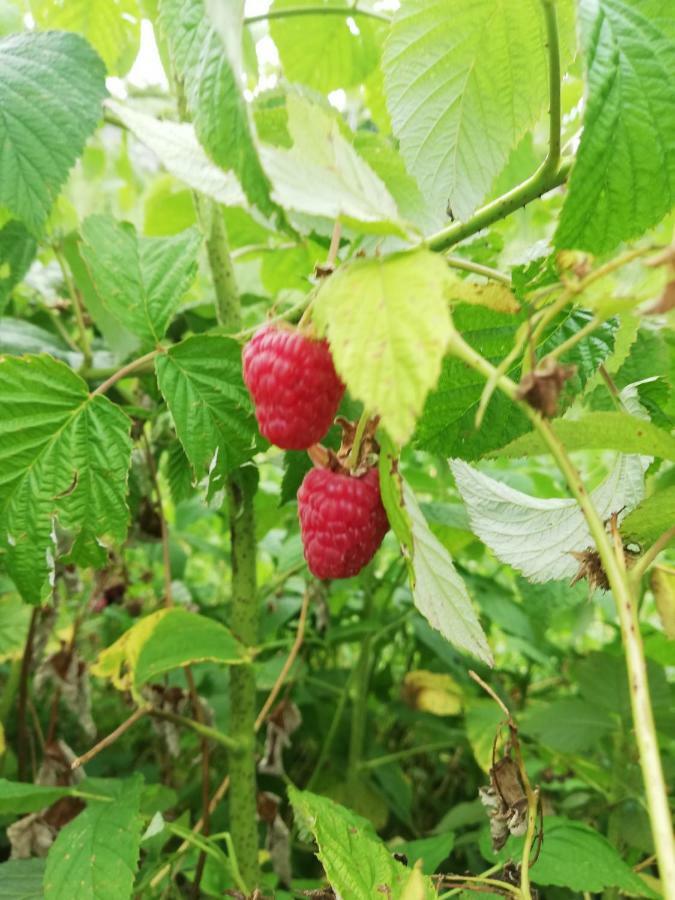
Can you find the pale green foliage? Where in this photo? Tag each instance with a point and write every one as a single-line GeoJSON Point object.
{"type": "Point", "coordinates": [598, 431]}
{"type": "Point", "coordinates": [388, 324]}
{"type": "Point", "coordinates": [652, 517]}
{"type": "Point", "coordinates": [203, 387]}
{"type": "Point", "coordinates": [535, 535]}
{"type": "Point", "coordinates": [140, 280]}
{"type": "Point", "coordinates": [462, 89]}
{"type": "Point", "coordinates": [357, 863]}
{"type": "Point", "coordinates": [95, 855]}
{"type": "Point", "coordinates": [51, 88]}
{"type": "Point", "coordinates": [321, 174]}
{"type": "Point", "coordinates": [219, 111]}
{"type": "Point", "coordinates": [112, 27]}
{"type": "Point", "coordinates": [181, 154]}
{"type": "Point", "coordinates": [64, 456]}
{"type": "Point", "coordinates": [438, 591]}
{"type": "Point", "coordinates": [623, 181]}
{"type": "Point", "coordinates": [17, 249]}
{"type": "Point", "coordinates": [332, 56]}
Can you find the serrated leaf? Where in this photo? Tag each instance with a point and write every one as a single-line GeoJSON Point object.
{"type": "Point", "coordinates": [623, 180]}
{"type": "Point", "coordinates": [140, 280]}
{"type": "Point", "coordinates": [112, 27]}
{"type": "Point", "coordinates": [17, 249]}
{"type": "Point", "coordinates": [64, 457]}
{"type": "Point", "coordinates": [598, 431]}
{"type": "Point", "coordinates": [177, 148]}
{"type": "Point", "coordinates": [332, 55]}
{"type": "Point", "coordinates": [296, 465]}
{"type": "Point", "coordinates": [95, 856]}
{"type": "Point", "coordinates": [391, 490]}
{"type": "Point", "coordinates": [51, 88]}
{"type": "Point", "coordinates": [462, 89]}
{"type": "Point", "coordinates": [202, 383]}
{"type": "Point", "coordinates": [569, 725]}
{"type": "Point", "coordinates": [21, 879]}
{"type": "Point", "coordinates": [357, 863]}
{"type": "Point", "coordinates": [651, 518]}
{"type": "Point", "coordinates": [322, 175]}
{"type": "Point", "coordinates": [537, 536]}
{"type": "Point", "coordinates": [179, 472]}
{"type": "Point", "coordinates": [438, 591]}
{"type": "Point", "coordinates": [19, 797]}
{"type": "Point", "coordinates": [388, 324]}
{"type": "Point", "coordinates": [209, 67]}
{"type": "Point", "coordinates": [576, 857]}
{"type": "Point", "coordinates": [165, 640]}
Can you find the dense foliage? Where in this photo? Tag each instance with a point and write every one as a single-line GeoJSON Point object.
{"type": "Point", "coordinates": [470, 202]}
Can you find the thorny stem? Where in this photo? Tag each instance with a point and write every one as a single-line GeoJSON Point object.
{"type": "Point", "coordinates": [625, 600]}
{"type": "Point", "coordinates": [85, 344]}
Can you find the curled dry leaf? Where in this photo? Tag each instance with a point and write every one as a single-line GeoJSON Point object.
{"type": "Point", "coordinates": [68, 673]}
{"type": "Point", "coordinates": [167, 699]}
{"type": "Point", "coordinates": [505, 801]}
{"type": "Point", "coordinates": [541, 388]}
{"type": "Point", "coordinates": [282, 722]}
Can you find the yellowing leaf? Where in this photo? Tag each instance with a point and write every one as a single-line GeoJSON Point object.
{"type": "Point", "coordinates": [663, 585]}
{"type": "Point", "coordinates": [118, 661]}
{"type": "Point", "coordinates": [493, 294]}
{"type": "Point", "coordinates": [3, 744]}
{"type": "Point", "coordinates": [433, 692]}
{"type": "Point", "coordinates": [388, 325]}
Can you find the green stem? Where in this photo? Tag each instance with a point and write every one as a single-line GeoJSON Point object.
{"type": "Point", "coordinates": [554, 82]}
{"type": "Point", "coordinates": [378, 761]}
{"type": "Point", "coordinates": [243, 708]}
{"type": "Point", "coordinates": [626, 605]}
{"type": "Point", "coordinates": [293, 11]}
{"type": "Point", "coordinates": [85, 344]}
{"type": "Point", "coordinates": [648, 557]}
{"type": "Point", "coordinates": [129, 369]}
{"type": "Point", "coordinates": [574, 339]}
{"type": "Point", "coordinates": [467, 265]}
{"type": "Point", "coordinates": [360, 705]}
{"type": "Point", "coordinates": [228, 308]}
{"type": "Point", "coordinates": [355, 452]}
{"type": "Point", "coordinates": [205, 731]}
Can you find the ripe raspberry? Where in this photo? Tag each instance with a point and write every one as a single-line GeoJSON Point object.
{"type": "Point", "coordinates": [342, 521]}
{"type": "Point", "coordinates": [294, 385]}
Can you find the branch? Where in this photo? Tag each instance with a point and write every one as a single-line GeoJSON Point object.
{"type": "Point", "coordinates": [293, 11]}
{"type": "Point", "coordinates": [467, 265]}
{"type": "Point", "coordinates": [110, 738]}
{"type": "Point", "coordinates": [126, 370]}
{"type": "Point", "coordinates": [648, 557]}
{"type": "Point", "coordinates": [204, 730]}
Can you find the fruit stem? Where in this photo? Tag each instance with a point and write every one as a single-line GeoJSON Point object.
{"type": "Point", "coordinates": [355, 452]}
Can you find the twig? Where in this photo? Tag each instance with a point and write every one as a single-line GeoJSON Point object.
{"type": "Point", "coordinates": [128, 369]}
{"type": "Point", "coordinates": [204, 730]}
{"type": "Point", "coordinates": [488, 690]}
{"type": "Point", "coordinates": [644, 562]}
{"type": "Point", "coordinates": [378, 761]}
{"type": "Point", "coordinates": [85, 345]}
{"type": "Point", "coordinates": [164, 528]}
{"type": "Point", "coordinates": [110, 738]}
{"type": "Point", "coordinates": [293, 11]}
{"type": "Point", "coordinates": [299, 637]}
{"type": "Point", "coordinates": [22, 728]}
{"type": "Point", "coordinates": [468, 265]}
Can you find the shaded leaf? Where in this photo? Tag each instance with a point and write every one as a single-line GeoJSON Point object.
{"type": "Point", "coordinates": [651, 518]}
{"type": "Point", "coordinates": [17, 249]}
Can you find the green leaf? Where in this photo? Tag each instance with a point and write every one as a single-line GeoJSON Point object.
{"type": "Point", "coordinates": [430, 851]}
{"type": "Point", "coordinates": [14, 623]}
{"type": "Point", "coordinates": [388, 324]}
{"type": "Point", "coordinates": [95, 856]}
{"type": "Point", "coordinates": [391, 489]}
{"type": "Point", "coordinates": [599, 431]}
{"type": "Point", "coordinates": [18, 336]}
{"type": "Point", "coordinates": [21, 879]}
{"type": "Point", "coordinates": [140, 280]}
{"type": "Point", "coordinates": [481, 720]}
{"type": "Point", "coordinates": [11, 18]}
{"type": "Point", "coordinates": [322, 175]}
{"type": "Point", "coordinates": [209, 67]}
{"type": "Point", "coordinates": [202, 383]}
{"type": "Point", "coordinates": [51, 88]}
{"type": "Point", "coordinates": [165, 640]}
{"type": "Point", "coordinates": [575, 856]}
{"type": "Point", "coordinates": [569, 725]}
{"type": "Point", "coordinates": [112, 27]}
{"type": "Point", "coordinates": [651, 518]}
{"type": "Point", "coordinates": [64, 456]}
{"type": "Point", "coordinates": [357, 863]}
{"type": "Point", "coordinates": [535, 535]}
{"type": "Point", "coordinates": [17, 250]}
{"type": "Point", "coordinates": [181, 638]}
{"type": "Point", "coordinates": [332, 55]}
{"type": "Point", "coordinates": [462, 89]}
{"type": "Point", "coordinates": [177, 148]}
{"type": "Point", "coordinates": [438, 591]}
{"type": "Point", "coordinates": [623, 180]}
{"type": "Point", "coordinates": [19, 797]}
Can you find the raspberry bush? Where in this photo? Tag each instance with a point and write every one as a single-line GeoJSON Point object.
{"type": "Point", "coordinates": [336, 449]}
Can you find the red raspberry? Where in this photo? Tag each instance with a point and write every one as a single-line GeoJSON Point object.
{"type": "Point", "coordinates": [342, 521]}
{"type": "Point", "coordinates": [294, 386]}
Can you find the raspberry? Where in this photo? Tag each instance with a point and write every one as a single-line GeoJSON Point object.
{"type": "Point", "coordinates": [342, 521]}
{"type": "Point", "coordinates": [294, 385]}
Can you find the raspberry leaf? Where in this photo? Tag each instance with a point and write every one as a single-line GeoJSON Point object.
{"type": "Point", "coordinates": [438, 591]}
{"type": "Point", "coordinates": [140, 280]}
{"type": "Point", "coordinates": [51, 88]}
{"type": "Point", "coordinates": [651, 518]}
{"type": "Point", "coordinates": [463, 89]}
{"type": "Point", "coordinates": [623, 181]}
{"type": "Point", "coordinates": [388, 325]}
{"type": "Point", "coordinates": [65, 458]}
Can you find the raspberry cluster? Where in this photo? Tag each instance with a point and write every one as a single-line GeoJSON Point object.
{"type": "Point", "coordinates": [296, 393]}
